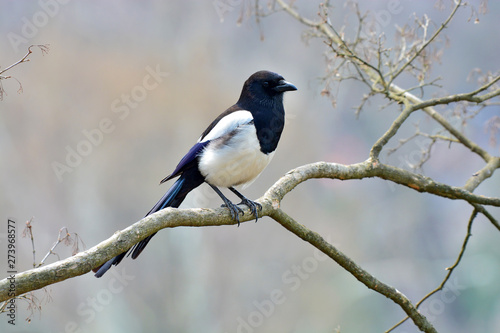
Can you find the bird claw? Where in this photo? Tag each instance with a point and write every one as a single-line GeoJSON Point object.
{"type": "Point", "coordinates": [235, 211]}
{"type": "Point", "coordinates": [252, 205]}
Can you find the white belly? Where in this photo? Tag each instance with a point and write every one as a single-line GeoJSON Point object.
{"type": "Point", "coordinates": [233, 161]}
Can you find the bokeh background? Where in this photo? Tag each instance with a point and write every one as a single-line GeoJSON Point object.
{"type": "Point", "coordinates": [258, 277]}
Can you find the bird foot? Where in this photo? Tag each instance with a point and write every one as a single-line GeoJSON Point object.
{"type": "Point", "coordinates": [234, 210]}
{"type": "Point", "coordinates": [253, 207]}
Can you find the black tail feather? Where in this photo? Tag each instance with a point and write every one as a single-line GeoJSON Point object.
{"type": "Point", "coordinates": [137, 249]}
{"type": "Point", "coordinates": [114, 261]}
{"type": "Point", "coordinates": [187, 182]}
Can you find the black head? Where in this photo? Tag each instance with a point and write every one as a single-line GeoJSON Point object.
{"type": "Point", "coordinates": [265, 86]}
{"type": "Point", "coordinates": [262, 95]}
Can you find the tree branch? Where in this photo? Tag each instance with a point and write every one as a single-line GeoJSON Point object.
{"type": "Point", "coordinates": [398, 94]}
{"type": "Point", "coordinates": [426, 43]}
{"type": "Point", "coordinates": [43, 48]}
{"type": "Point", "coordinates": [84, 261]}
{"type": "Point", "coordinates": [391, 132]}
{"type": "Point", "coordinates": [449, 269]}
{"type": "Point", "coordinates": [349, 265]}
{"type": "Point", "coordinates": [427, 108]}
{"type": "Point", "coordinates": [485, 173]}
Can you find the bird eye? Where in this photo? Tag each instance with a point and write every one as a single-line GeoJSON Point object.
{"type": "Point", "coordinates": [265, 84]}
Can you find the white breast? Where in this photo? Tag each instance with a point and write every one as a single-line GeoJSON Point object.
{"type": "Point", "coordinates": [234, 159]}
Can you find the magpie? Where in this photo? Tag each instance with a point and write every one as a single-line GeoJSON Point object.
{"type": "Point", "coordinates": [233, 150]}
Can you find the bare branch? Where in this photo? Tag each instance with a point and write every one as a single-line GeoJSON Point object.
{"type": "Point", "coordinates": [470, 97]}
{"type": "Point", "coordinates": [29, 231]}
{"type": "Point", "coordinates": [426, 43]}
{"type": "Point", "coordinates": [485, 173]}
{"type": "Point", "coordinates": [44, 48]}
{"type": "Point", "coordinates": [67, 240]}
{"type": "Point", "coordinates": [427, 108]}
{"type": "Point", "coordinates": [384, 139]}
{"type": "Point", "coordinates": [349, 265]}
{"type": "Point", "coordinates": [487, 214]}
{"type": "Point", "coordinates": [394, 92]}
{"type": "Point", "coordinates": [425, 152]}
{"type": "Point", "coordinates": [449, 269]}
{"type": "Point", "coordinates": [83, 262]}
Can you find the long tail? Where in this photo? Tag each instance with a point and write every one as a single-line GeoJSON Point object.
{"type": "Point", "coordinates": [173, 198]}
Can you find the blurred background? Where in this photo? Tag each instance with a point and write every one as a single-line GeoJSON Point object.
{"type": "Point", "coordinates": [126, 89]}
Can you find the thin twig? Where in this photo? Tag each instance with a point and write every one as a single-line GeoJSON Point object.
{"type": "Point", "coordinates": [44, 48]}
{"type": "Point", "coordinates": [449, 269]}
{"type": "Point", "coordinates": [56, 243]}
{"type": "Point", "coordinates": [391, 132]}
{"type": "Point", "coordinates": [487, 214]}
{"type": "Point", "coordinates": [426, 44]}
{"type": "Point", "coordinates": [28, 230]}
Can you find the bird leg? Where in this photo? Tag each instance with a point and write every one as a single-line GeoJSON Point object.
{"type": "Point", "coordinates": [251, 204]}
{"type": "Point", "coordinates": [233, 209]}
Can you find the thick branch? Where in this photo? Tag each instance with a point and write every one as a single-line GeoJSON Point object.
{"type": "Point", "coordinates": [121, 241]}
{"type": "Point", "coordinates": [370, 169]}
{"type": "Point", "coordinates": [349, 265]}
{"type": "Point", "coordinates": [83, 262]}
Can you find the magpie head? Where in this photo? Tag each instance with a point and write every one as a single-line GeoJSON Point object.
{"type": "Point", "coordinates": [265, 87]}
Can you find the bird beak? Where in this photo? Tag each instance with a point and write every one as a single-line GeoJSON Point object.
{"type": "Point", "coordinates": [285, 86]}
